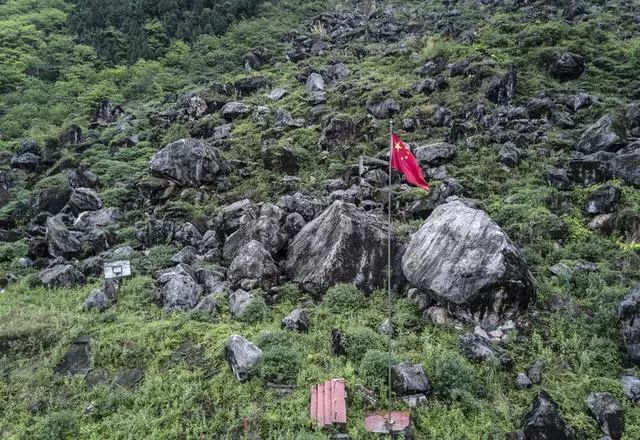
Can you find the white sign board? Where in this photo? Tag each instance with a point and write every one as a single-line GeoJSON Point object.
{"type": "Point", "coordinates": [117, 269]}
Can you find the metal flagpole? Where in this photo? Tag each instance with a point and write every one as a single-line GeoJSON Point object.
{"type": "Point", "coordinates": [389, 305]}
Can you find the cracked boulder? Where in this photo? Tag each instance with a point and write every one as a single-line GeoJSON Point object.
{"type": "Point", "coordinates": [464, 260]}
{"type": "Point", "coordinates": [191, 162]}
{"type": "Point", "coordinates": [342, 245]}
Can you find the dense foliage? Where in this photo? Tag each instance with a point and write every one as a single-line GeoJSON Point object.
{"type": "Point", "coordinates": [124, 31]}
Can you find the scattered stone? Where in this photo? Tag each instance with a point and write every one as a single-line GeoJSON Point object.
{"type": "Point", "coordinates": [338, 343]}
{"type": "Point", "coordinates": [97, 301]}
{"type": "Point", "coordinates": [77, 360]}
{"type": "Point", "coordinates": [107, 112]}
{"type": "Point", "coordinates": [297, 320]}
{"type": "Point", "coordinates": [608, 413]}
{"type": "Point", "coordinates": [408, 379]}
{"type": "Point", "coordinates": [503, 89]}
{"type": "Point", "coordinates": [573, 9]}
{"type": "Point", "coordinates": [465, 261]}
{"type": "Point", "coordinates": [239, 301]}
{"type": "Point", "coordinates": [315, 83]}
{"type": "Point", "coordinates": [535, 372]}
{"type": "Point", "coordinates": [567, 66]}
{"type": "Point", "coordinates": [543, 420]}
{"type": "Point", "coordinates": [127, 379]}
{"type": "Point", "coordinates": [188, 235]}
{"type": "Point", "coordinates": [96, 377]}
{"type": "Point", "coordinates": [435, 154]}
{"type": "Point", "coordinates": [629, 316]}
{"type": "Point", "coordinates": [61, 275]}
{"type": "Point", "coordinates": [523, 382]}
{"type": "Point", "coordinates": [509, 155]}
{"type": "Point", "coordinates": [383, 109]}
{"type": "Point", "coordinates": [60, 242]}
{"type": "Point", "coordinates": [385, 328]}
{"type": "Point", "coordinates": [631, 387]}
{"type": "Point", "coordinates": [242, 355]}
{"type": "Point", "coordinates": [84, 199]}
{"type": "Point", "coordinates": [478, 348]}
{"type": "Point", "coordinates": [604, 200]}
{"type": "Point", "coordinates": [186, 255]}
{"type": "Point", "coordinates": [26, 162]}
{"type": "Point", "coordinates": [277, 94]}
{"type": "Point", "coordinates": [561, 270]}
{"type": "Point", "coordinates": [190, 162]}
{"type": "Point", "coordinates": [606, 134]}
{"type": "Point", "coordinates": [557, 178]}
{"type": "Point", "coordinates": [91, 220]}
{"type": "Point", "coordinates": [234, 110]}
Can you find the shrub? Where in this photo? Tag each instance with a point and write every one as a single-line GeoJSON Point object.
{"type": "Point", "coordinates": [256, 311]}
{"type": "Point", "coordinates": [361, 339]}
{"type": "Point", "coordinates": [374, 369]}
{"type": "Point", "coordinates": [343, 298]}
{"type": "Point", "coordinates": [282, 356]}
{"type": "Point", "coordinates": [58, 425]}
{"type": "Point", "coordinates": [451, 375]}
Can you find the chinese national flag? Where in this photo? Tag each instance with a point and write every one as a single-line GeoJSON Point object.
{"type": "Point", "coordinates": [403, 160]}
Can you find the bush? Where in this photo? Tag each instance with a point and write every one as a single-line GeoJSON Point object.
{"type": "Point", "coordinates": [361, 339]}
{"type": "Point", "coordinates": [282, 356]}
{"type": "Point", "coordinates": [343, 298]}
{"type": "Point", "coordinates": [452, 375]}
{"type": "Point", "coordinates": [374, 369]}
{"type": "Point", "coordinates": [256, 311]}
{"type": "Point", "coordinates": [58, 425]}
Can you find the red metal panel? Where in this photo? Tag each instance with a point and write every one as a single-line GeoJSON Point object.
{"type": "Point", "coordinates": [328, 403]}
{"type": "Point", "coordinates": [377, 422]}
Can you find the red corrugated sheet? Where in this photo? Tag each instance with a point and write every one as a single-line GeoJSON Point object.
{"type": "Point", "coordinates": [377, 422]}
{"type": "Point", "coordinates": [328, 403]}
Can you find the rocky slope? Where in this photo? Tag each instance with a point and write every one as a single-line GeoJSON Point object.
{"type": "Point", "coordinates": [252, 206]}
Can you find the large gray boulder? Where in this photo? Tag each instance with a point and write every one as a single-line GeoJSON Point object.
{"type": "Point", "coordinates": [179, 289]}
{"type": "Point", "coordinates": [60, 241]}
{"type": "Point", "coordinates": [462, 259]}
{"type": "Point", "coordinates": [90, 220]}
{"type": "Point", "coordinates": [606, 134]}
{"type": "Point", "coordinates": [242, 355]}
{"type": "Point", "coordinates": [629, 315]}
{"type": "Point", "coordinates": [408, 378]}
{"type": "Point", "coordinates": [84, 199]}
{"type": "Point", "coordinates": [253, 262]}
{"type": "Point", "coordinates": [608, 413]}
{"type": "Point", "coordinates": [342, 245]}
{"type": "Point", "coordinates": [61, 275]}
{"type": "Point", "coordinates": [191, 162]}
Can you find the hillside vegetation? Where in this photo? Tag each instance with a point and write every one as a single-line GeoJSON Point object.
{"type": "Point", "coordinates": [219, 146]}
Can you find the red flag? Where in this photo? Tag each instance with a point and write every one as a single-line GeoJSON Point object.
{"type": "Point", "coordinates": [403, 160]}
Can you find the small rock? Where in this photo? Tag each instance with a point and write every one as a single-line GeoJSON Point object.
{"type": "Point", "coordinates": [631, 387]}
{"type": "Point", "coordinates": [479, 349]}
{"type": "Point", "coordinates": [523, 382]}
{"type": "Point", "coordinates": [608, 413]}
{"type": "Point", "coordinates": [97, 300]}
{"type": "Point", "coordinates": [604, 200]}
{"type": "Point", "coordinates": [297, 320]}
{"type": "Point", "coordinates": [543, 421]}
{"type": "Point", "coordinates": [535, 372]}
{"type": "Point", "coordinates": [127, 379]}
{"type": "Point", "coordinates": [408, 379]}
{"type": "Point", "coordinates": [315, 83]}
{"type": "Point", "coordinates": [242, 355]}
{"type": "Point", "coordinates": [77, 360]}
